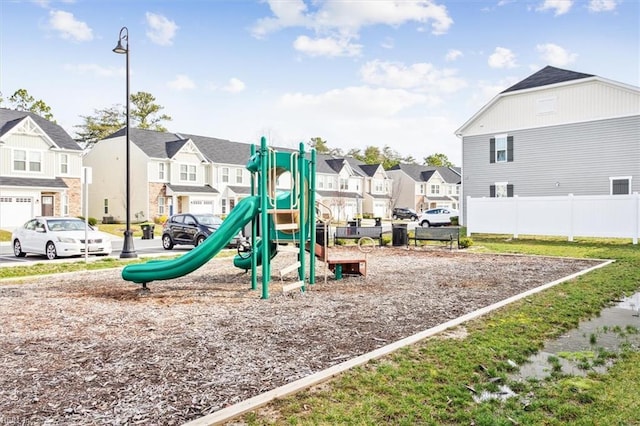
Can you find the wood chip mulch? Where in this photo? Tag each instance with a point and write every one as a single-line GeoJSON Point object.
{"type": "Point", "coordinates": [90, 348]}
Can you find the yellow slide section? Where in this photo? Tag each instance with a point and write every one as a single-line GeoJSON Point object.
{"type": "Point", "coordinates": [156, 270]}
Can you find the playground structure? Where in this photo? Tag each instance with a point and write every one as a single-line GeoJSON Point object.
{"type": "Point", "coordinates": [281, 220]}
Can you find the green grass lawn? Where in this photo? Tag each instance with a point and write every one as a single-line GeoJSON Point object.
{"type": "Point", "coordinates": [429, 383]}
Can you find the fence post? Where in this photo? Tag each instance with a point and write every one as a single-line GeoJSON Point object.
{"type": "Point", "coordinates": [637, 215]}
{"type": "Point", "coordinates": [570, 198]}
{"type": "Point", "coordinates": [467, 209]}
{"type": "Point", "coordinates": [516, 206]}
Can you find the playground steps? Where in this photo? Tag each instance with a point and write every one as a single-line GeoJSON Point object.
{"type": "Point", "coordinates": [288, 249]}
{"type": "Point", "coordinates": [284, 271]}
{"type": "Point", "coordinates": [285, 219]}
{"type": "Point", "coordinates": [286, 226]}
{"type": "Point", "coordinates": [292, 286]}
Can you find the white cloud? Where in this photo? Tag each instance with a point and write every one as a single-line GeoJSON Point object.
{"type": "Point", "coordinates": [555, 55]}
{"type": "Point", "coordinates": [327, 46]}
{"type": "Point", "coordinates": [234, 86]}
{"type": "Point", "coordinates": [353, 101]}
{"type": "Point", "coordinates": [68, 27]}
{"type": "Point", "coordinates": [336, 22]}
{"type": "Point", "coordinates": [452, 55]}
{"type": "Point", "coordinates": [422, 77]}
{"type": "Point", "coordinates": [502, 58]}
{"type": "Point", "coordinates": [161, 30]}
{"type": "Point", "coordinates": [182, 82]}
{"type": "Point", "coordinates": [559, 6]}
{"type": "Point", "coordinates": [93, 69]}
{"type": "Point", "coordinates": [602, 5]}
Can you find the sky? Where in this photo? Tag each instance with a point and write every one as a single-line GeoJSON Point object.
{"type": "Point", "coordinates": [404, 74]}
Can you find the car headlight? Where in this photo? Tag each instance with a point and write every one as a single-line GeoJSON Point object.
{"type": "Point", "coordinates": [66, 240]}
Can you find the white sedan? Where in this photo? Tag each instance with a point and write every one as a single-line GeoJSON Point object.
{"type": "Point", "coordinates": [438, 216]}
{"type": "Point", "coordinates": [57, 237]}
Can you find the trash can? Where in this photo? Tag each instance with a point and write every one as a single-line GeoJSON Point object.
{"type": "Point", "coordinates": [378, 221]}
{"type": "Point", "coordinates": [147, 231]}
{"type": "Point", "coordinates": [320, 233]}
{"type": "Point", "coordinates": [399, 235]}
{"type": "Point", "coordinates": [352, 223]}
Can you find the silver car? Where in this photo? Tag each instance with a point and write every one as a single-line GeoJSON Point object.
{"type": "Point", "coordinates": [58, 237]}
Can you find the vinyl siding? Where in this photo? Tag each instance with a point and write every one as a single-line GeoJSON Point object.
{"type": "Point", "coordinates": [577, 102]}
{"type": "Point", "coordinates": [579, 157]}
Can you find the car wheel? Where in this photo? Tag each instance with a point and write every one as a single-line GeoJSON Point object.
{"type": "Point", "coordinates": [199, 240]}
{"type": "Point", "coordinates": [167, 242]}
{"type": "Point", "coordinates": [424, 224]}
{"type": "Point", "coordinates": [17, 249]}
{"type": "Point", "coordinates": [395, 217]}
{"type": "Point", "coordinates": [414, 218]}
{"type": "Point", "coordinates": [51, 251]}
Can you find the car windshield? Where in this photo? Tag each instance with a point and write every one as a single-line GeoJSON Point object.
{"type": "Point", "coordinates": [56, 225]}
{"type": "Point", "coordinates": [208, 219]}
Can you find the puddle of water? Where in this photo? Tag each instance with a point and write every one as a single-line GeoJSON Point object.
{"type": "Point", "coordinates": [613, 328]}
{"type": "Point", "coordinates": [574, 352]}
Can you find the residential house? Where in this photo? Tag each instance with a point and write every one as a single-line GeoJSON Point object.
{"type": "Point", "coordinates": [557, 132]}
{"type": "Point", "coordinates": [174, 173]}
{"type": "Point", "coordinates": [425, 187]}
{"type": "Point", "coordinates": [40, 169]}
{"type": "Point", "coordinates": [377, 189]}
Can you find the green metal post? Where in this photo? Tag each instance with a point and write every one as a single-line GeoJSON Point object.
{"type": "Point", "coordinates": [312, 218]}
{"type": "Point", "coordinates": [254, 232]}
{"type": "Point", "coordinates": [302, 211]}
{"type": "Point", "coordinates": [264, 216]}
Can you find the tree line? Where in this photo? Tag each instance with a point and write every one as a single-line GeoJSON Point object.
{"type": "Point", "coordinates": [145, 113]}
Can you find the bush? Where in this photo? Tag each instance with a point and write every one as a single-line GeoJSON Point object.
{"type": "Point", "coordinates": [160, 220]}
{"type": "Point", "coordinates": [465, 242]}
{"type": "Point", "coordinates": [386, 240]}
{"type": "Point", "coordinates": [455, 221]}
{"type": "Point", "coordinates": [92, 220]}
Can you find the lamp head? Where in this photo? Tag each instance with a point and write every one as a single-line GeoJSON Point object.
{"type": "Point", "coordinates": [124, 35]}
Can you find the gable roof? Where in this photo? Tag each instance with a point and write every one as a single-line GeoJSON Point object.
{"type": "Point", "coordinates": [10, 118]}
{"type": "Point", "coordinates": [423, 173]}
{"type": "Point", "coordinates": [547, 76]}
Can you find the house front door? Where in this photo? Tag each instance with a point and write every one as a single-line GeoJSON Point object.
{"type": "Point", "coordinates": [47, 205]}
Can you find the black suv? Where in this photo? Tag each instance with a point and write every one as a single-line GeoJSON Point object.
{"type": "Point", "coordinates": [404, 213]}
{"type": "Point", "coordinates": [191, 229]}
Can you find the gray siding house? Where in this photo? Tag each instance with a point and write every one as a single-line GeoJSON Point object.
{"type": "Point", "coordinates": [557, 132]}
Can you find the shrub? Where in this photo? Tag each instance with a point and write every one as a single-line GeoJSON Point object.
{"type": "Point", "coordinates": [455, 221]}
{"type": "Point", "coordinates": [160, 220]}
{"type": "Point", "coordinates": [385, 241]}
{"type": "Point", "coordinates": [92, 220]}
{"type": "Point", "coordinates": [465, 242]}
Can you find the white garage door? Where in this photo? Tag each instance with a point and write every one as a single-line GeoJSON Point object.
{"type": "Point", "coordinates": [15, 211]}
{"type": "Point", "coordinates": [200, 206]}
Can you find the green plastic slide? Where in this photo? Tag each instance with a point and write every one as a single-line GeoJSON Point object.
{"type": "Point", "coordinates": [156, 270]}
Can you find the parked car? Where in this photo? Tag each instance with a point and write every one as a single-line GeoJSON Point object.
{"type": "Point", "coordinates": [192, 229]}
{"type": "Point", "coordinates": [404, 213]}
{"type": "Point", "coordinates": [437, 216]}
{"type": "Point", "coordinates": [59, 237]}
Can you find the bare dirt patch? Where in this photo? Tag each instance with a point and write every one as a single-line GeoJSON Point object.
{"type": "Point", "coordinates": [90, 348]}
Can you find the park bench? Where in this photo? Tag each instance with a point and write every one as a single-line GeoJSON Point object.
{"type": "Point", "coordinates": [357, 232]}
{"type": "Point", "coordinates": [445, 234]}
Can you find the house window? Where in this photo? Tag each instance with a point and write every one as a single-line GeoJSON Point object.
{"type": "Point", "coordinates": [378, 186]}
{"type": "Point", "coordinates": [620, 185]}
{"type": "Point", "coordinates": [501, 189]}
{"type": "Point", "coordinates": [320, 182]}
{"type": "Point", "coordinates": [225, 174]}
{"type": "Point", "coordinates": [344, 184]}
{"type": "Point", "coordinates": [224, 206]}
{"type": "Point", "coordinates": [64, 164]}
{"type": "Point", "coordinates": [238, 175]}
{"type": "Point", "coordinates": [188, 173]}
{"type": "Point", "coordinates": [161, 206]}
{"type": "Point", "coordinates": [330, 183]}
{"type": "Point", "coordinates": [501, 149]}
{"type": "Point", "coordinates": [65, 204]}
{"type": "Point", "coordinates": [106, 206]}
{"type": "Point", "coordinates": [435, 189]}
{"type": "Point", "coordinates": [19, 160]}
{"type": "Point", "coordinates": [161, 171]}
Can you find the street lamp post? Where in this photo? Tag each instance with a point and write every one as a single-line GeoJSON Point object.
{"type": "Point", "coordinates": [128, 251]}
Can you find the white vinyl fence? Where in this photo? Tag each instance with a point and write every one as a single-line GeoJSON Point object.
{"type": "Point", "coordinates": [616, 216]}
